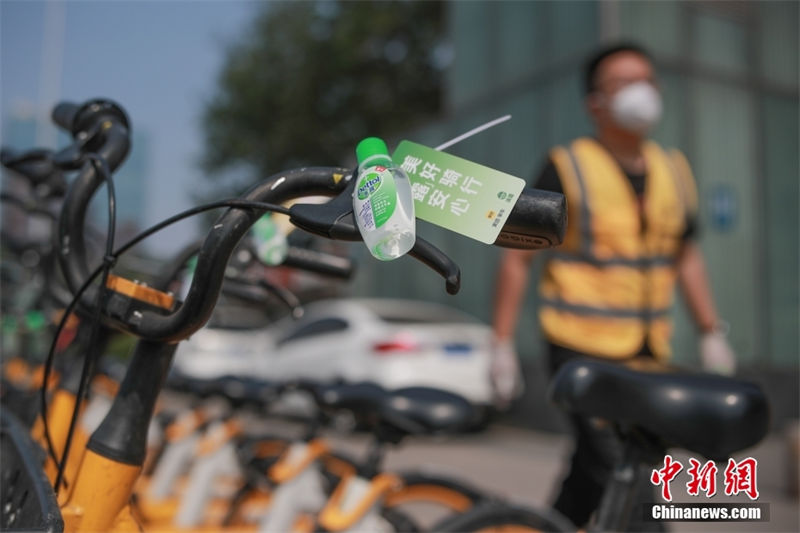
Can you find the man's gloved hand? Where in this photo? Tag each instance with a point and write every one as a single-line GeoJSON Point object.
{"type": "Point", "coordinates": [716, 354]}
{"type": "Point", "coordinates": [507, 382]}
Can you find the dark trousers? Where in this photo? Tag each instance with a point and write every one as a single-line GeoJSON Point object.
{"type": "Point", "coordinates": [597, 449]}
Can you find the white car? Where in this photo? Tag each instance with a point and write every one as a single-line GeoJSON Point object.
{"type": "Point", "coordinates": [395, 343]}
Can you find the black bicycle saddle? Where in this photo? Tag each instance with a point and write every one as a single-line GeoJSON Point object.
{"type": "Point", "coordinates": [411, 410]}
{"type": "Point", "coordinates": [239, 390]}
{"type": "Point", "coordinates": [704, 413]}
{"type": "Point", "coordinates": [362, 398]}
{"type": "Point", "coordinates": [418, 410]}
{"type": "Point", "coordinates": [245, 391]}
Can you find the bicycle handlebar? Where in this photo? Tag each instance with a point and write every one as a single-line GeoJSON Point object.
{"type": "Point", "coordinates": [64, 115]}
{"type": "Point", "coordinates": [220, 244]}
{"type": "Point", "coordinates": [99, 127]}
{"type": "Point", "coordinates": [537, 221]}
{"type": "Point", "coordinates": [330, 265]}
{"type": "Point", "coordinates": [81, 118]}
{"type": "Point", "coordinates": [333, 220]}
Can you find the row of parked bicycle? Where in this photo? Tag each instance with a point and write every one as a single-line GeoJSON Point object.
{"type": "Point", "coordinates": [86, 448]}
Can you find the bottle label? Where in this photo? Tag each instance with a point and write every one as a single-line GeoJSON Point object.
{"type": "Point", "coordinates": [377, 190]}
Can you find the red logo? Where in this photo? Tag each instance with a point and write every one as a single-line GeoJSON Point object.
{"type": "Point", "coordinates": [665, 475]}
{"type": "Point", "coordinates": [739, 477]}
{"type": "Point", "coordinates": [704, 478]}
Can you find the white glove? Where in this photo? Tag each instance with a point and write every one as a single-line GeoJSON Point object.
{"type": "Point", "coordinates": [716, 354]}
{"type": "Point", "coordinates": [507, 382]}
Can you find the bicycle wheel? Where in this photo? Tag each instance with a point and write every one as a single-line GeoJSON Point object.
{"type": "Point", "coordinates": [425, 487]}
{"type": "Point", "coordinates": [258, 454]}
{"type": "Point", "coordinates": [503, 518]}
{"type": "Point", "coordinates": [428, 498]}
{"type": "Point", "coordinates": [399, 521]}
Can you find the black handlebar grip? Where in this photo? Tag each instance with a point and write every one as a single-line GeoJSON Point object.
{"type": "Point", "coordinates": [538, 220]}
{"type": "Point", "coordinates": [319, 262]}
{"type": "Point", "coordinates": [77, 118]}
{"type": "Point", "coordinates": [64, 115]}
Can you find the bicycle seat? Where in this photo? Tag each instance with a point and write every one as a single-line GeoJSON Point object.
{"type": "Point", "coordinates": [708, 414]}
{"type": "Point", "coordinates": [239, 390]}
{"type": "Point", "coordinates": [363, 399]}
{"type": "Point", "coordinates": [188, 384]}
{"type": "Point", "coordinates": [411, 410]}
{"type": "Point", "coordinates": [417, 410]}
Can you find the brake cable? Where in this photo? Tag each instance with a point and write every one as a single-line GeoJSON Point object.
{"type": "Point", "coordinates": [108, 260]}
{"type": "Point", "coordinates": [101, 167]}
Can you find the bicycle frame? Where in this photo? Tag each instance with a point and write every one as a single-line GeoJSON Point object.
{"type": "Point", "coordinates": [298, 491]}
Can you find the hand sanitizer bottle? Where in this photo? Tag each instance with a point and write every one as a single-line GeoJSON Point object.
{"type": "Point", "coordinates": [382, 202]}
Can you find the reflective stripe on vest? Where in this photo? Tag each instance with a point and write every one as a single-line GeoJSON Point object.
{"type": "Point", "coordinates": [586, 310]}
{"type": "Point", "coordinates": [641, 262]}
{"type": "Point", "coordinates": [586, 215]}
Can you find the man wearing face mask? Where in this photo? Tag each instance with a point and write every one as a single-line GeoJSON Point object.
{"type": "Point", "coordinates": [607, 291]}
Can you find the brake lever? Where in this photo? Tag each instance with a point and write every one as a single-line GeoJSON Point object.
{"type": "Point", "coordinates": [436, 259]}
{"type": "Point", "coordinates": [247, 288]}
{"type": "Point", "coordinates": [286, 297]}
{"type": "Point", "coordinates": [322, 263]}
{"type": "Point", "coordinates": [335, 220]}
{"type": "Point", "coordinates": [73, 156]}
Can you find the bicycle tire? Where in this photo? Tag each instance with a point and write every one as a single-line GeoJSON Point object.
{"type": "Point", "coordinates": [400, 521]}
{"type": "Point", "coordinates": [501, 517]}
{"type": "Point", "coordinates": [442, 490]}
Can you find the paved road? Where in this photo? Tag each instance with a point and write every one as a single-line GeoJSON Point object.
{"type": "Point", "coordinates": [525, 465]}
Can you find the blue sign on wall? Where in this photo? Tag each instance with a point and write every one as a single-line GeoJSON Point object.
{"type": "Point", "coordinates": [724, 208]}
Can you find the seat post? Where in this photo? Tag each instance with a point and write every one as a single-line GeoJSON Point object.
{"type": "Point", "coordinates": [314, 425]}
{"type": "Point", "coordinates": [383, 435]}
{"type": "Point", "coordinates": [616, 505]}
{"type": "Point", "coordinates": [373, 464]}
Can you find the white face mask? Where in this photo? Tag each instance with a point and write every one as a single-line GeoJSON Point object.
{"type": "Point", "coordinates": [636, 107]}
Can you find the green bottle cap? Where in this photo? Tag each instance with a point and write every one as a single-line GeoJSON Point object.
{"type": "Point", "coordinates": [372, 151]}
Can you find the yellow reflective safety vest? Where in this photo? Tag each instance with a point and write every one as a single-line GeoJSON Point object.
{"type": "Point", "coordinates": [608, 288]}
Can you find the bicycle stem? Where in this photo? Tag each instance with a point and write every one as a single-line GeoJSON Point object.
{"type": "Point", "coordinates": [122, 435]}
{"type": "Point", "coordinates": [116, 451]}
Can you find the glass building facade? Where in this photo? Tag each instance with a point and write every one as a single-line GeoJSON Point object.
{"type": "Point", "coordinates": [729, 73]}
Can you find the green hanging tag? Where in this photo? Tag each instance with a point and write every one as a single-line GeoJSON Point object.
{"type": "Point", "coordinates": [457, 194]}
